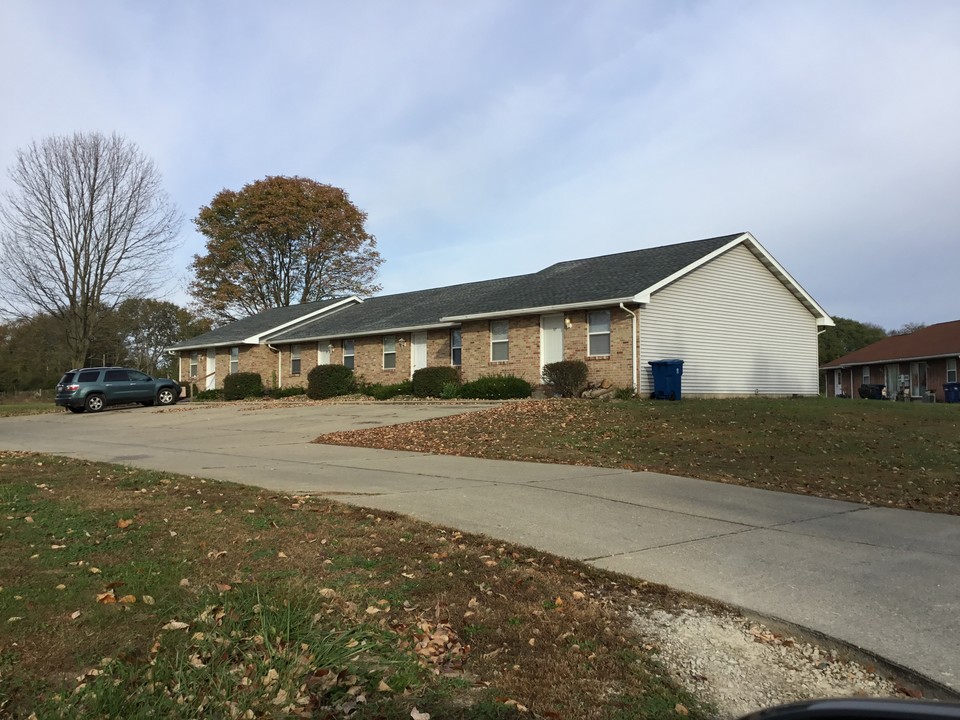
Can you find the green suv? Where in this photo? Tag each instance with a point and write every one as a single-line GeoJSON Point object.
{"type": "Point", "coordinates": [92, 389]}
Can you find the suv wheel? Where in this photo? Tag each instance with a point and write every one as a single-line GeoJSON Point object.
{"type": "Point", "coordinates": [94, 403]}
{"type": "Point", "coordinates": [166, 396]}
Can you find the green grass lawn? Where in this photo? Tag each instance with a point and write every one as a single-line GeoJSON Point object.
{"type": "Point", "coordinates": [904, 455]}
{"type": "Point", "coordinates": [131, 593]}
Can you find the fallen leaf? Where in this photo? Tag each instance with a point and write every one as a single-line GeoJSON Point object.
{"type": "Point", "coordinates": [107, 598]}
{"type": "Point", "coordinates": [327, 593]}
{"type": "Point", "coordinates": [124, 524]}
{"type": "Point", "coordinates": [61, 586]}
{"type": "Point", "coordinates": [175, 625]}
{"type": "Point", "coordinates": [281, 697]}
{"type": "Point", "coordinates": [417, 715]}
{"type": "Point", "coordinates": [147, 599]}
{"type": "Point", "coordinates": [15, 618]}
{"type": "Point", "coordinates": [577, 595]}
{"type": "Point", "coordinates": [75, 614]}
{"type": "Point", "coordinates": [28, 519]}
{"type": "Point", "coordinates": [95, 570]}
{"type": "Point", "coordinates": [223, 587]}
{"type": "Point", "coordinates": [372, 610]}
{"type": "Point", "coordinates": [128, 599]}
{"type": "Point", "coordinates": [383, 687]}
{"type": "Point", "coordinates": [681, 709]}
{"type": "Point", "coordinates": [281, 554]}
{"type": "Point", "coordinates": [184, 583]}
{"type": "Point", "coordinates": [271, 678]}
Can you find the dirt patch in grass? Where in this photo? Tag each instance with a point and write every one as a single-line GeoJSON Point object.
{"type": "Point", "coordinates": [128, 593]}
{"type": "Point", "coordinates": [880, 453]}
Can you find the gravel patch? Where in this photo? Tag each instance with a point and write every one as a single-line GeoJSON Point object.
{"type": "Point", "coordinates": [740, 666]}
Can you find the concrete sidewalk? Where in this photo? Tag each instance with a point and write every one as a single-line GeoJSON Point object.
{"type": "Point", "coordinates": [885, 580]}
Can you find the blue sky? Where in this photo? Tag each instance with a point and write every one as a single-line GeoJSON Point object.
{"type": "Point", "coordinates": [495, 138]}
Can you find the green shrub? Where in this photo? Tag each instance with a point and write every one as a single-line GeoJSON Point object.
{"type": "Point", "coordinates": [429, 381]}
{"type": "Point", "coordinates": [623, 393]}
{"type": "Point", "coordinates": [209, 395]}
{"type": "Point", "coordinates": [291, 391]}
{"type": "Point", "coordinates": [385, 392]}
{"type": "Point", "coordinates": [450, 391]}
{"type": "Point", "coordinates": [327, 381]}
{"type": "Point", "coordinates": [242, 385]}
{"type": "Point", "coordinates": [496, 387]}
{"type": "Point", "coordinates": [568, 377]}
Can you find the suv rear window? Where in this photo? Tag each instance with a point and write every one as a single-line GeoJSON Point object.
{"type": "Point", "coordinates": [116, 376]}
{"type": "Point", "coordinates": [88, 376]}
{"type": "Point", "coordinates": [66, 379]}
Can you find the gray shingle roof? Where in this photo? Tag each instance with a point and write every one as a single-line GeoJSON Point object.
{"type": "Point", "coordinates": [236, 332]}
{"type": "Point", "coordinates": [597, 279]}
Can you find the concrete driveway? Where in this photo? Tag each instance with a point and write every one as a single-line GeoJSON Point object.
{"type": "Point", "coordinates": [885, 580]}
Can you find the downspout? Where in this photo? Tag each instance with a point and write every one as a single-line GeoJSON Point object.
{"type": "Point", "coordinates": [826, 373]}
{"type": "Point", "coordinates": [636, 388]}
{"type": "Point", "coordinates": [279, 365]}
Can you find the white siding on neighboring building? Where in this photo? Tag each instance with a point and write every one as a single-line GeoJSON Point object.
{"type": "Point", "coordinates": [737, 328]}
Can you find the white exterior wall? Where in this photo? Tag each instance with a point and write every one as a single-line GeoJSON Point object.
{"type": "Point", "coordinates": [737, 328]}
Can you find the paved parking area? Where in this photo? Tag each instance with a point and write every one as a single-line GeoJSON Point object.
{"type": "Point", "coordinates": [884, 580]}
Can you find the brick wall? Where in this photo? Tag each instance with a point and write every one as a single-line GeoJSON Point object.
{"type": "Point", "coordinates": [252, 358]}
{"type": "Point", "coordinates": [524, 354]}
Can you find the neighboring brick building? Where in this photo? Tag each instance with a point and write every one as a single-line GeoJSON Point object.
{"type": "Point", "coordinates": [723, 305]}
{"type": "Point", "coordinates": [910, 366]}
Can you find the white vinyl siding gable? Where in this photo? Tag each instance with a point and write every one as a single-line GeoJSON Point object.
{"type": "Point", "coordinates": [737, 328]}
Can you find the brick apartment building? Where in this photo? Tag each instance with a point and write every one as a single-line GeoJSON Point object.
{"type": "Point", "coordinates": [724, 305]}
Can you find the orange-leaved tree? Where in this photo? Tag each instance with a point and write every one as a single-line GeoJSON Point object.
{"type": "Point", "coordinates": [281, 241]}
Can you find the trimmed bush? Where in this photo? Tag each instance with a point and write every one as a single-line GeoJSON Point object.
{"type": "Point", "coordinates": [429, 381]}
{"type": "Point", "coordinates": [208, 395]}
{"type": "Point", "coordinates": [286, 392]}
{"type": "Point", "coordinates": [242, 385]}
{"type": "Point", "coordinates": [623, 393]}
{"type": "Point", "coordinates": [385, 392]}
{"type": "Point", "coordinates": [327, 381]}
{"type": "Point", "coordinates": [496, 387]}
{"type": "Point", "coordinates": [568, 377]}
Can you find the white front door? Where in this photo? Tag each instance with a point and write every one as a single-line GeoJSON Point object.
{"type": "Point", "coordinates": [211, 368]}
{"type": "Point", "coordinates": [837, 383]}
{"type": "Point", "coordinates": [418, 351]}
{"type": "Point", "coordinates": [551, 339]}
{"type": "Point", "coordinates": [323, 352]}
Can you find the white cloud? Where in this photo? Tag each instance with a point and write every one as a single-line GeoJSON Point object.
{"type": "Point", "coordinates": [498, 137]}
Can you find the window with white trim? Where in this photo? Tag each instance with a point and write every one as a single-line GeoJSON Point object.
{"type": "Point", "coordinates": [194, 363]}
{"type": "Point", "coordinates": [499, 340]}
{"type": "Point", "coordinates": [348, 354]}
{"type": "Point", "coordinates": [389, 352]}
{"type": "Point", "coordinates": [456, 346]}
{"type": "Point", "coordinates": [951, 369]}
{"type": "Point", "coordinates": [598, 333]}
{"type": "Point", "coordinates": [294, 359]}
{"type": "Point", "coordinates": [865, 375]}
{"type": "Point", "coordinates": [234, 360]}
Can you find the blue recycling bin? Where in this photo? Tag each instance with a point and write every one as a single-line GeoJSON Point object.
{"type": "Point", "coordinates": [666, 379]}
{"type": "Point", "coordinates": [951, 392]}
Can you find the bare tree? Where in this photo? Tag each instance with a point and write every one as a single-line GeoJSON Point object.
{"type": "Point", "coordinates": [86, 225]}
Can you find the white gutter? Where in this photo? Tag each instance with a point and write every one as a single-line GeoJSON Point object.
{"type": "Point", "coordinates": [636, 387]}
{"type": "Point", "coordinates": [541, 310]}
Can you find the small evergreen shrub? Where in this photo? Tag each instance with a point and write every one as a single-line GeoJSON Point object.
{"type": "Point", "coordinates": [242, 385]}
{"type": "Point", "coordinates": [429, 381]}
{"type": "Point", "coordinates": [209, 395]}
{"type": "Point", "coordinates": [327, 381]}
{"type": "Point", "coordinates": [496, 387]}
{"type": "Point", "coordinates": [568, 377]}
{"type": "Point", "coordinates": [286, 392]}
{"type": "Point", "coordinates": [623, 393]}
{"type": "Point", "coordinates": [450, 391]}
{"type": "Point", "coordinates": [385, 392]}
